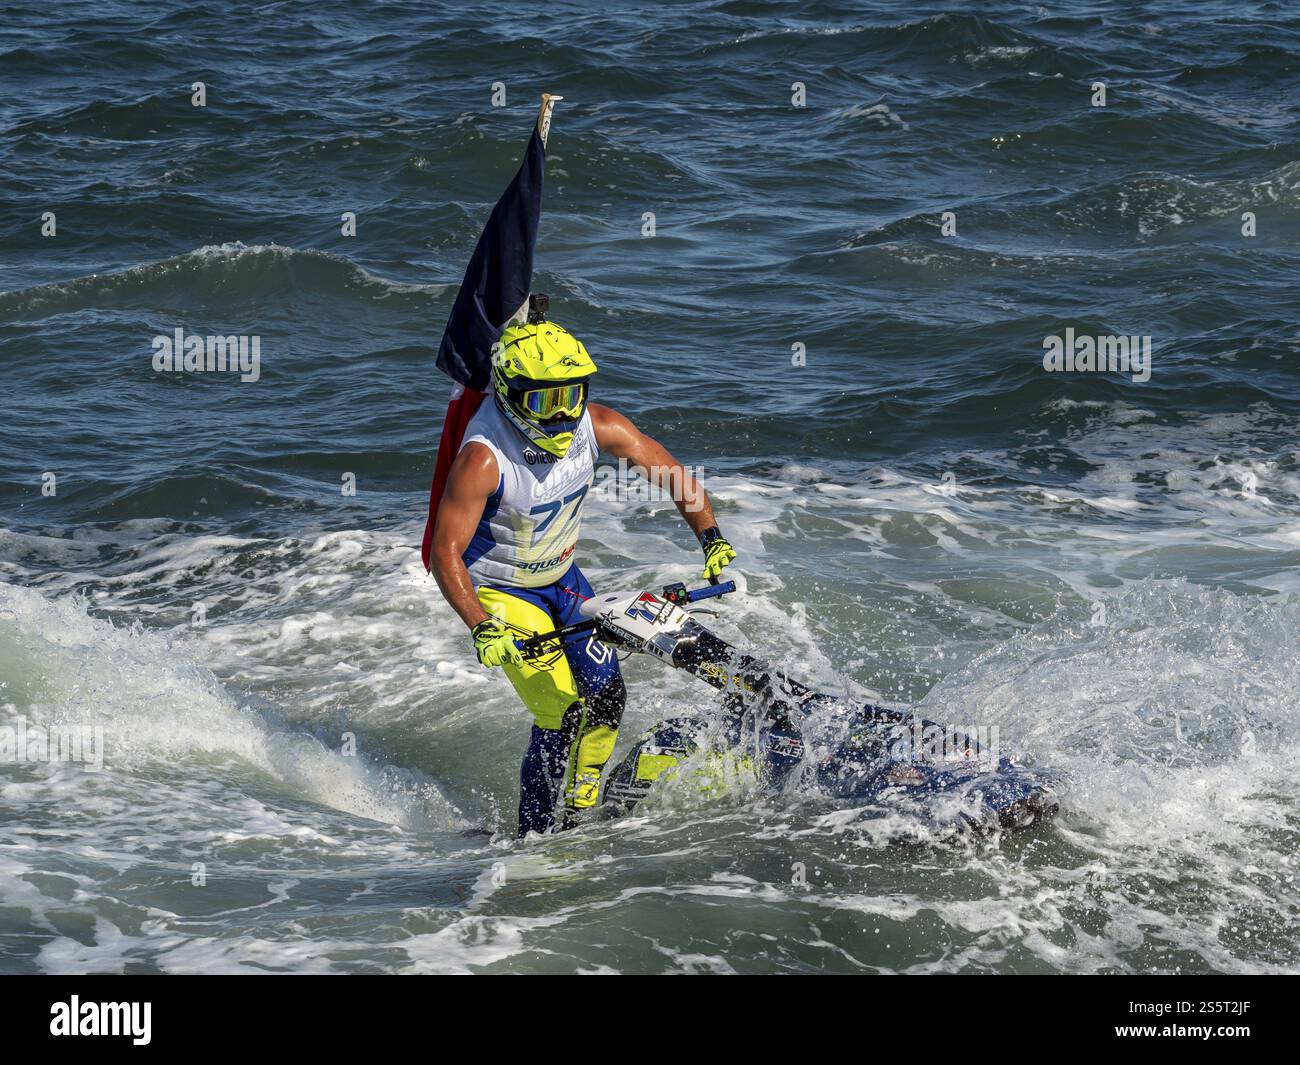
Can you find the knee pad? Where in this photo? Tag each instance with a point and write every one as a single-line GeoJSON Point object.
{"type": "Point", "coordinates": [605, 708]}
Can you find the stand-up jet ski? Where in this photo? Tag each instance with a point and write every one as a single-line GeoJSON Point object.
{"type": "Point", "coordinates": [871, 758]}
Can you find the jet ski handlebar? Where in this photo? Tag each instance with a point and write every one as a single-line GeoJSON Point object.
{"type": "Point", "coordinates": [677, 594]}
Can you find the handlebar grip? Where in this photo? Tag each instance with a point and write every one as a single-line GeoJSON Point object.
{"type": "Point", "coordinates": [714, 589]}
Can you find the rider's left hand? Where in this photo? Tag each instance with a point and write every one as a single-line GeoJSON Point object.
{"type": "Point", "coordinates": [717, 554]}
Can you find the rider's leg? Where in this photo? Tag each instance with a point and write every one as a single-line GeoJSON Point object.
{"type": "Point", "coordinates": [600, 683]}
{"type": "Point", "coordinates": [547, 687]}
{"type": "Point", "coordinates": [542, 772]}
{"type": "Point", "coordinates": [593, 744]}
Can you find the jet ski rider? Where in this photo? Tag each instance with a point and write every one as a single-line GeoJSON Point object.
{"type": "Point", "coordinates": [503, 548]}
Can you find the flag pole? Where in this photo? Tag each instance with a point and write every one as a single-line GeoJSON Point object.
{"type": "Point", "coordinates": [549, 100]}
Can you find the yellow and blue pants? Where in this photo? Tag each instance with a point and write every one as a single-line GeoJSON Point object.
{"type": "Point", "coordinates": [576, 696]}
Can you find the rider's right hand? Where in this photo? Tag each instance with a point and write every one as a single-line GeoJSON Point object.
{"type": "Point", "coordinates": [494, 644]}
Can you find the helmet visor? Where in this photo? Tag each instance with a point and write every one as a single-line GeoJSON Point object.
{"type": "Point", "coordinates": [543, 404]}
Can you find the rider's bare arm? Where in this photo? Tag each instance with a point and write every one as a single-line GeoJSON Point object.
{"type": "Point", "coordinates": [617, 435]}
{"type": "Point", "coordinates": [473, 478]}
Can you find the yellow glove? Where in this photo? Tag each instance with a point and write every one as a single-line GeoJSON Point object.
{"type": "Point", "coordinates": [717, 552]}
{"type": "Point", "coordinates": [494, 644]}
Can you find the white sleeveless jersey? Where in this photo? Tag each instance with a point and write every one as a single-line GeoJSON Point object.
{"type": "Point", "coordinates": [529, 527]}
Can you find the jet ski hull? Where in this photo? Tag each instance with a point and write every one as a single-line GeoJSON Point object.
{"type": "Point", "coordinates": [875, 772]}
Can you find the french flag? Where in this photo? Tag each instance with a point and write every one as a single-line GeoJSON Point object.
{"type": "Point", "coordinates": [495, 290]}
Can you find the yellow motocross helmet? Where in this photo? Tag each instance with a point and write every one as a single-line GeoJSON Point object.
{"type": "Point", "coordinates": [539, 374]}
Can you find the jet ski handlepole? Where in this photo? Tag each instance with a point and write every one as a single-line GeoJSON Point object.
{"type": "Point", "coordinates": [565, 635]}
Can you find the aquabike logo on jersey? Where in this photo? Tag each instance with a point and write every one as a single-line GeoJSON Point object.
{"type": "Point", "coordinates": [538, 567]}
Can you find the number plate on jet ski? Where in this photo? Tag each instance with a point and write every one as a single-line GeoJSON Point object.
{"type": "Point", "coordinates": [648, 607]}
{"type": "Point", "coordinates": [642, 619]}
